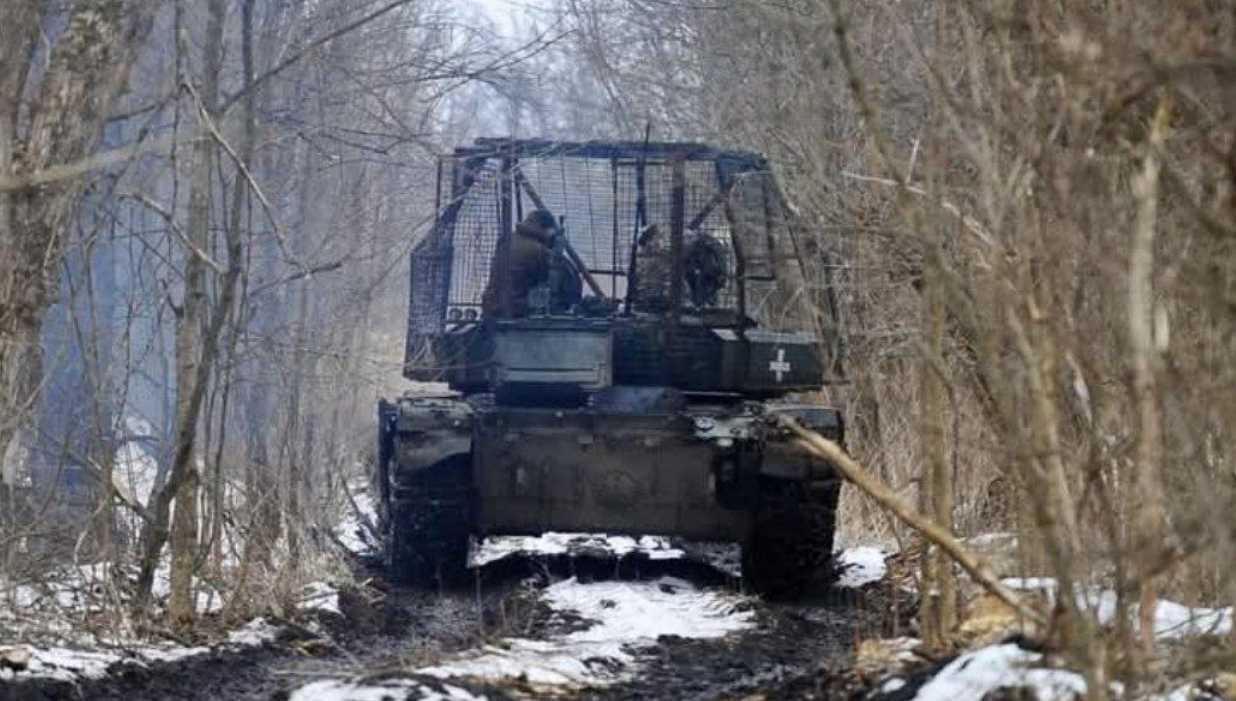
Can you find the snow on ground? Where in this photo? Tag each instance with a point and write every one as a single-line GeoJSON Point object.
{"type": "Point", "coordinates": [74, 591]}
{"type": "Point", "coordinates": [257, 632]}
{"type": "Point", "coordinates": [1216, 688]}
{"type": "Point", "coordinates": [58, 620]}
{"type": "Point", "coordinates": [1186, 692]}
{"type": "Point", "coordinates": [496, 548]}
{"type": "Point", "coordinates": [353, 533]}
{"type": "Point", "coordinates": [353, 529]}
{"type": "Point", "coordinates": [860, 566]}
{"type": "Point", "coordinates": [69, 664]}
{"type": "Point", "coordinates": [206, 599]}
{"type": "Point", "coordinates": [332, 690]}
{"type": "Point", "coordinates": [65, 664]}
{"type": "Point", "coordinates": [622, 616]}
{"type": "Point", "coordinates": [134, 470]}
{"type": "Point", "coordinates": [320, 596]}
{"type": "Point", "coordinates": [972, 676]}
{"type": "Point", "coordinates": [1171, 620]}
{"type": "Point", "coordinates": [992, 538]}
{"type": "Point", "coordinates": [625, 616]}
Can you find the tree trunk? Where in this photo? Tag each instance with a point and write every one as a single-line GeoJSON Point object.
{"type": "Point", "coordinates": [190, 395]}
{"type": "Point", "coordinates": [1150, 521]}
{"type": "Point", "coordinates": [89, 66]}
{"type": "Point", "coordinates": [938, 609]}
{"type": "Point", "coordinates": [189, 339]}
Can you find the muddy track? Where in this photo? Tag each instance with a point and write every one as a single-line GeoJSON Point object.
{"type": "Point", "coordinates": [790, 652]}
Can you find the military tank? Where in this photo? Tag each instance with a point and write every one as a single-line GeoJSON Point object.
{"type": "Point", "coordinates": [647, 404]}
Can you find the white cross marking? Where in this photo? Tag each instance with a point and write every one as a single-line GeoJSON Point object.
{"type": "Point", "coordinates": [779, 367]}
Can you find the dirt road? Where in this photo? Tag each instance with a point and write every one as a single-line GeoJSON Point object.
{"type": "Point", "coordinates": [572, 627]}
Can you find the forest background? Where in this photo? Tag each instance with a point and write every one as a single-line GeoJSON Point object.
{"type": "Point", "coordinates": [1024, 208]}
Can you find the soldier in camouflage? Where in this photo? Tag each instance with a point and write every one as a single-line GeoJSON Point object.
{"type": "Point", "coordinates": [521, 261]}
{"type": "Point", "coordinates": [704, 262]}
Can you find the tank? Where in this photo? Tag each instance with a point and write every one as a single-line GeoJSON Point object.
{"type": "Point", "coordinates": [648, 404]}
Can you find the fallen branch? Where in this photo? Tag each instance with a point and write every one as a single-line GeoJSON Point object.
{"type": "Point", "coordinates": [856, 474]}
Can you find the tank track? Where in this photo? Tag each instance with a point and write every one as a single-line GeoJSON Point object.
{"type": "Point", "coordinates": [430, 520]}
{"type": "Point", "coordinates": [790, 550]}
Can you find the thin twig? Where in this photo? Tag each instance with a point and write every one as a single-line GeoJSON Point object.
{"type": "Point", "coordinates": [288, 62]}
{"type": "Point", "coordinates": [171, 222]}
{"type": "Point", "coordinates": [280, 237]}
{"type": "Point", "coordinates": [970, 222]}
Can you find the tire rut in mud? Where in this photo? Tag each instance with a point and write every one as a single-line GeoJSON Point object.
{"type": "Point", "coordinates": [800, 650]}
{"type": "Point", "coordinates": [214, 675]}
{"type": "Point", "coordinates": [789, 654]}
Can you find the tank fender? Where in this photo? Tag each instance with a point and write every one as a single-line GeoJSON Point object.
{"type": "Point", "coordinates": [431, 430]}
{"type": "Point", "coordinates": [826, 421]}
{"type": "Point", "coordinates": [782, 458]}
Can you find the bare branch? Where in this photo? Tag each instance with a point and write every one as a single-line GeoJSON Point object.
{"type": "Point", "coordinates": [825, 449]}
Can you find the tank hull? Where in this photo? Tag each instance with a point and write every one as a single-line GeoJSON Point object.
{"type": "Point", "coordinates": [645, 464]}
{"type": "Point", "coordinates": [540, 470]}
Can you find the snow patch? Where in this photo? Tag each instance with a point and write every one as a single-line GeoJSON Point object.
{"type": "Point", "coordinates": [171, 654]}
{"type": "Point", "coordinates": [634, 611]}
{"type": "Point", "coordinates": [626, 616]}
{"type": "Point", "coordinates": [974, 675]}
{"type": "Point", "coordinates": [1171, 620]}
{"type": "Point", "coordinates": [65, 664]}
{"type": "Point", "coordinates": [332, 690]}
{"type": "Point", "coordinates": [206, 599]}
{"type": "Point", "coordinates": [861, 566]}
{"type": "Point", "coordinates": [1187, 692]}
{"type": "Point", "coordinates": [320, 596]}
{"type": "Point", "coordinates": [891, 685]}
{"type": "Point", "coordinates": [69, 664]}
{"type": "Point", "coordinates": [135, 472]}
{"type": "Point", "coordinates": [992, 538]}
{"type": "Point", "coordinates": [1030, 583]}
{"type": "Point", "coordinates": [257, 632]}
{"type": "Point", "coordinates": [353, 530]}
{"type": "Point", "coordinates": [496, 548]}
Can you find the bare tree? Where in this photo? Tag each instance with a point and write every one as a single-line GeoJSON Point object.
{"type": "Point", "coordinates": [1031, 207]}
{"type": "Point", "coordinates": [51, 117]}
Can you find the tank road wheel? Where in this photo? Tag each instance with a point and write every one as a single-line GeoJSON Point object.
{"type": "Point", "coordinates": [789, 551]}
{"type": "Point", "coordinates": [429, 524]}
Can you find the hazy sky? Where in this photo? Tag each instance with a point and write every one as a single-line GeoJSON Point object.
{"type": "Point", "coordinates": [501, 12]}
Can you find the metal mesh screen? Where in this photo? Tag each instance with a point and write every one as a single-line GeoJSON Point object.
{"type": "Point", "coordinates": [594, 189]}
{"type": "Point", "coordinates": [475, 236]}
{"type": "Point", "coordinates": [430, 275]}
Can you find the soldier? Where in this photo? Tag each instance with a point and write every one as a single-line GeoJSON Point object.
{"type": "Point", "coordinates": [703, 268]}
{"type": "Point", "coordinates": [653, 270]}
{"type": "Point", "coordinates": [521, 261]}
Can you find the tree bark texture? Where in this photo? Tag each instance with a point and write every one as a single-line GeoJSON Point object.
{"type": "Point", "coordinates": [1148, 485]}
{"type": "Point", "coordinates": [88, 68]}
{"type": "Point", "coordinates": [938, 608]}
{"type": "Point", "coordinates": [189, 329]}
{"type": "Point", "coordinates": [195, 349]}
